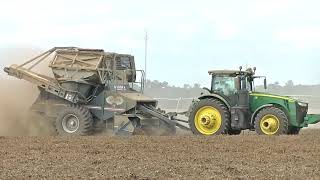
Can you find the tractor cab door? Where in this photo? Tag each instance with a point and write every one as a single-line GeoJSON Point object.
{"type": "Point", "coordinates": [226, 87]}
{"type": "Point", "coordinates": [234, 90]}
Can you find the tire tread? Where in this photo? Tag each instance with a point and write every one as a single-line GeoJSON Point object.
{"type": "Point", "coordinates": [225, 113]}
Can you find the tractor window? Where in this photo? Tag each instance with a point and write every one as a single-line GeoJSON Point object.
{"type": "Point", "coordinates": [224, 85]}
{"type": "Point", "coordinates": [123, 63]}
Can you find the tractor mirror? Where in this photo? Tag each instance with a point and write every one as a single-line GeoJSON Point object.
{"type": "Point", "coordinates": [265, 83]}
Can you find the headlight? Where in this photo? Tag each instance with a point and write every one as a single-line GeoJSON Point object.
{"type": "Point", "coordinates": [302, 104]}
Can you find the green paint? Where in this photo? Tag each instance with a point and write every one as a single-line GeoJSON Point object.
{"type": "Point", "coordinates": [312, 118]}
{"type": "Point", "coordinates": [287, 104]}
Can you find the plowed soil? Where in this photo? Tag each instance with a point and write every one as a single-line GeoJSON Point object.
{"type": "Point", "coordinates": [176, 157]}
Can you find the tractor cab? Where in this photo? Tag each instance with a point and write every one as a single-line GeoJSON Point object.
{"type": "Point", "coordinates": [231, 84]}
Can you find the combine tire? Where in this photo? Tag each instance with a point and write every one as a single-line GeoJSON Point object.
{"type": "Point", "coordinates": [271, 121]}
{"type": "Point", "coordinates": [74, 120]}
{"type": "Point", "coordinates": [294, 130]}
{"type": "Point", "coordinates": [209, 117]}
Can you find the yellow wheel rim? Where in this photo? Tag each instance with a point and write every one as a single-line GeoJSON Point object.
{"type": "Point", "coordinates": [269, 124]}
{"type": "Point", "coordinates": [208, 120]}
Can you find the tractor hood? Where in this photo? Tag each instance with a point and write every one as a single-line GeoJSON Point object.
{"type": "Point", "coordinates": [279, 97]}
{"type": "Point", "coordinates": [273, 96]}
{"type": "Point", "coordinates": [258, 99]}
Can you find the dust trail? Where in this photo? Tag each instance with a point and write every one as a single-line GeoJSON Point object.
{"type": "Point", "coordinates": [15, 117]}
{"type": "Point", "coordinates": [16, 97]}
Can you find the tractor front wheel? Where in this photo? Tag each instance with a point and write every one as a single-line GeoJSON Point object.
{"type": "Point", "coordinates": [271, 121]}
{"type": "Point", "coordinates": [209, 117]}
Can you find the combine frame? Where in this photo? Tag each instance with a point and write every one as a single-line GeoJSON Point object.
{"type": "Point", "coordinates": [93, 82]}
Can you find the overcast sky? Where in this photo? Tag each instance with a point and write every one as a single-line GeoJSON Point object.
{"type": "Point", "coordinates": [186, 38]}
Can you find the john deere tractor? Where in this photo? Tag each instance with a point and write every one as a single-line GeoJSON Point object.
{"type": "Point", "coordinates": [232, 105]}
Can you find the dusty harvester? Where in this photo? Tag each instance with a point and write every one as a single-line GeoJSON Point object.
{"type": "Point", "coordinates": [91, 89]}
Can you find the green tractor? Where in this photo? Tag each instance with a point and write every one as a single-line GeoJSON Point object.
{"type": "Point", "coordinates": [232, 105]}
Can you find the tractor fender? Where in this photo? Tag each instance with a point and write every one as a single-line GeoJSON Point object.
{"type": "Point", "coordinates": [270, 105]}
{"type": "Point", "coordinates": [257, 110]}
{"type": "Point", "coordinates": [267, 105]}
{"type": "Point", "coordinates": [216, 96]}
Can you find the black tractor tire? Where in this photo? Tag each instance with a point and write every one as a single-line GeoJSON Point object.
{"type": "Point", "coordinates": [157, 127]}
{"type": "Point", "coordinates": [234, 132]}
{"type": "Point", "coordinates": [74, 120]}
{"type": "Point", "coordinates": [294, 130]}
{"type": "Point", "coordinates": [217, 104]}
{"type": "Point", "coordinates": [283, 122]}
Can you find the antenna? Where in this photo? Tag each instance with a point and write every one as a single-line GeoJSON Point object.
{"type": "Point", "coordinates": [145, 53]}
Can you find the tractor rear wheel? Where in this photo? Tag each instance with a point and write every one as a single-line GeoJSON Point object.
{"type": "Point", "coordinates": [74, 120]}
{"type": "Point", "coordinates": [271, 121]}
{"type": "Point", "coordinates": [209, 117]}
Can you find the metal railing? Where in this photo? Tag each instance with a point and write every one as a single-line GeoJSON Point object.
{"type": "Point", "coordinates": [133, 84]}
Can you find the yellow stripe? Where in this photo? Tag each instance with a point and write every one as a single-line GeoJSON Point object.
{"type": "Point", "coordinates": [273, 96]}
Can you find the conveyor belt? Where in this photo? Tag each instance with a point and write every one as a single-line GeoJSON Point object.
{"type": "Point", "coordinates": [161, 116]}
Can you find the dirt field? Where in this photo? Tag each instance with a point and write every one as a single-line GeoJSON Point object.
{"type": "Point", "coordinates": [177, 157]}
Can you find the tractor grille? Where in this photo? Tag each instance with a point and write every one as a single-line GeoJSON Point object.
{"type": "Point", "coordinates": [301, 113]}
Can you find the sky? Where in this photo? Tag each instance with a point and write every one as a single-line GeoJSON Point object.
{"type": "Point", "coordinates": [185, 38]}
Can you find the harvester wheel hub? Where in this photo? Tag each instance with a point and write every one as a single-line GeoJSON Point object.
{"type": "Point", "coordinates": [70, 123]}
{"type": "Point", "coordinates": [269, 124]}
{"type": "Point", "coordinates": [208, 120]}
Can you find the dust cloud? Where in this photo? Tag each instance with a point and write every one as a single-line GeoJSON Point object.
{"type": "Point", "coordinates": [15, 117]}
{"type": "Point", "coordinates": [17, 96]}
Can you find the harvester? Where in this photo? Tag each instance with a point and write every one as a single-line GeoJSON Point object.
{"type": "Point", "coordinates": [231, 105]}
{"type": "Point", "coordinates": [92, 90]}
